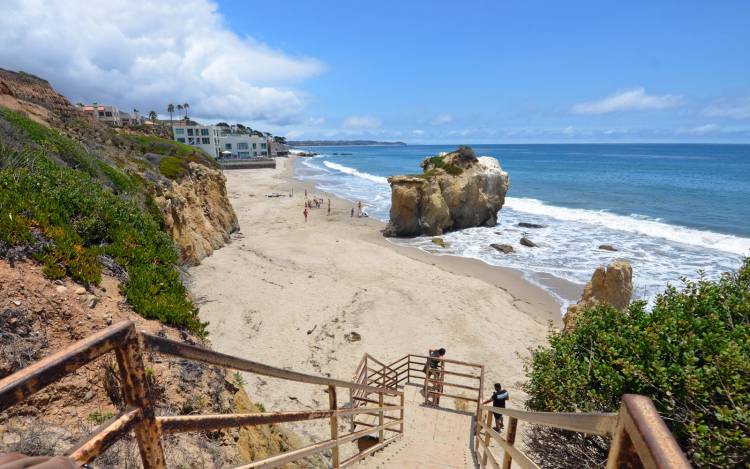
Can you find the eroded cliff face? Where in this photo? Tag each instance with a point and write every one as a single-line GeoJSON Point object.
{"type": "Point", "coordinates": [455, 192]}
{"type": "Point", "coordinates": [196, 211]}
{"type": "Point", "coordinates": [612, 285]}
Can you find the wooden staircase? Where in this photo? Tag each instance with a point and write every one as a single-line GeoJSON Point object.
{"type": "Point", "coordinates": [395, 405]}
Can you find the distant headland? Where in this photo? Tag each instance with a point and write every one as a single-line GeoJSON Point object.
{"type": "Point", "coordinates": [340, 143]}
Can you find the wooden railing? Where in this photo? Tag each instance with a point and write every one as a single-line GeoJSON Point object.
{"type": "Point", "coordinates": [640, 439]}
{"type": "Point", "coordinates": [139, 416]}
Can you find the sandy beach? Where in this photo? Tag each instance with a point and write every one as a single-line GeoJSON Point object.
{"type": "Point", "coordinates": [289, 293]}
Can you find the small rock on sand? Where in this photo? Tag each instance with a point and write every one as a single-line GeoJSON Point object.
{"type": "Point", "coordinates": [353, 336]}
{"type": "Point", "coordinates": [527, 242]}
{"type": "Point", "coordinates": [504, 248]}
{"type": "Point", "coordinates": [61, 289]}
{"type": "Point", "coordinates": [80, 291]}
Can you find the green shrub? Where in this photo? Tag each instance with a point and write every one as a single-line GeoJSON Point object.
{"type": "Point", "coordinates": [83, 220]}
{"type": "Point", "coordinates": [99, 418]}
{"type": "Point", "coordinates": [690, 354]}
{"type": "Point", "coordinates": [70, 152]}
{"type": "Point", "coordinates": [172, 167]}
{"type": "Point", "coordinates": [162, 146]}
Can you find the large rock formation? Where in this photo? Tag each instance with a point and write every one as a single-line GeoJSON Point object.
{"type": "Point", "coordinates": [456, 190]}
{"type": "Point", "coordinates": [612, 285]}
{"type": "Point", "coordinates": [196, 211]}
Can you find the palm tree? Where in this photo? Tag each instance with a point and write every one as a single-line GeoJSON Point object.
{"type": "Point", "coordinates": [179, 110]}
{"type": "Point", "coordinates": [152, 116]}
{"type": "Point", "coordinates": [185, 107]}
{"type": "Point", "coordinates": [170, 110]}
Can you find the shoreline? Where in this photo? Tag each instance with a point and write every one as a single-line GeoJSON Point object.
{"type": "Point", "coordinates": [513, 281]}
{"type": "Point", "coordinates": [315, 295]}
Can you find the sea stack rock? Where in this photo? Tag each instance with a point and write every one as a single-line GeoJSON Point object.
{"type": "Point", "coordinates": [612, 285]}
{"type": "Point", "coordinates": [456, 190]}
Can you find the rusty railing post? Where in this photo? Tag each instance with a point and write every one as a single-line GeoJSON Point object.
{"type": "Point", "coordinates": [401, 427]}
{"type": "Point", "coordinates": [510, 437]}
{"type": "Point", "coordinates": [408, 368]}
{"type": "Point", "coordinates": [479, 406]}
{"type": "Point", "coordinates": [381, 419]}
{"type": "Point", "coordinates": [333, 405]}
{"type": "Point", "coordinates": [486, 436]}
{"type": "Point", "coordinates": [133, 377]}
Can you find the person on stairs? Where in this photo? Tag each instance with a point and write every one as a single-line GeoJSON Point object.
{"type": "Point", "coordinates": [433, 370]}
{"type": "Point", "coordinates": [498, 400]}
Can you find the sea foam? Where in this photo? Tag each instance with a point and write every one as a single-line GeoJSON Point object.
{"type": "Point", "coordinates": [634, 224]}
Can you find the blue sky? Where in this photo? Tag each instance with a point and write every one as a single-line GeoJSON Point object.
{"type": "Point", "coordinates": [418, 71]}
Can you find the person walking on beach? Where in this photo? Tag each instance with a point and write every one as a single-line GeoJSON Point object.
{"type": "Point", "coordinates": [305, 214]}
{"type": "Point", "coordinates": [329, 207]}
{"type": "Point", "coordinates": [433, 372]}
{"type": "Point", "coordinates": [352, 214]}
{"type": "Point", "coordinates": [498, 400]}
{"type": "Point", "coordinates": [359, 209]}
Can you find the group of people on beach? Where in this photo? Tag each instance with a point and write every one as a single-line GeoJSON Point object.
{"type": "Point", "coordinates": [434, 370]}
{"type": "Point", "coordinates": [314, 203]}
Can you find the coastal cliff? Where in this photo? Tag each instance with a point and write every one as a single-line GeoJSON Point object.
{"type": "Point", "coordinates": [196, 211]}
{"type": "Point", "coordinates": [186, 185]}
{"type": "Point", "coordinates": [456, 190]}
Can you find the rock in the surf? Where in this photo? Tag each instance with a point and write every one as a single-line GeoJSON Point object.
{"type": "Point", "coordinates": [612, 285]}
{"type": "Point", "coordinates": [524, 224]}
{"type": "Point", "coordinates": [504, 248]}
{"type": "Point", "coordinates": [455, 190]}
{"type": "Point", "coordinates": [528, 243]}
{"type": "Point", "coordinates": [607, 247]}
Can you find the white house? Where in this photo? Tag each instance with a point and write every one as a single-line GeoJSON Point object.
{"type": "Point", "coordinates": [221, 141]}
{"type": "Point", "coordinates": [205, 137]}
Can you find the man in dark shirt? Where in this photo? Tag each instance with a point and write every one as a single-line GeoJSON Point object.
{"type": "Point", "coordinates": [432, 370]}
{"type": "Point", "coordinates": [498, 400]}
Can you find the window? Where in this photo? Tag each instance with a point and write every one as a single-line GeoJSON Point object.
{"type": "Point", "coordinates": [255, 153]}
{"type": "Point", "coordinates": [181, 139]}
{"type": "Point", "coordinates": [255, 146]}
{"type": "Point", "coordinates": [242, 146]}
{"type": "Point", "coordinates": [263, 145]}
{"type": "Point", "coordinates": [206, 141]}
{"type": "Point", "coordinates": [179, 131]}
{"type": "Point", "coordinates": [190, 132]}
{"type": "Point", "coordinates": [191, 141]}
{"type": "Point", "coordinates": [101, 113]}
{"type": "Point", "coordinates": [263, 153]}
{"type": "Point", "coordinates": [204, 131]}
{"type": "Point", "coordinates": [227, 146]}
{"type": "Point", "coordinates": [108, 114]}
{"type": "Point", "coordinates": [243, 154]}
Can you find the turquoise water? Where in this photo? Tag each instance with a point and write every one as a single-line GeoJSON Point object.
{"type": "Point", "coordinates": [671, 210]}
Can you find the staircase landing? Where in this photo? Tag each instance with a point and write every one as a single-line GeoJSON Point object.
{"type": "Point", "coordinates": [434, 438]}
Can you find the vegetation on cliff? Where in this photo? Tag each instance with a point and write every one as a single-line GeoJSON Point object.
{"type": "Point", "coordinates": [68, 220]}
{"type": "Point", "coordinates": [690, 354]}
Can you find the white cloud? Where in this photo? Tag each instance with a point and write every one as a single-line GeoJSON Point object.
{"type": "Point", "coordinates": [441, 119]}
{"type": "Point", "coordinates": [147, 54]}
{"type": "Point", "coordinates": [418, 132]}
{"type": "Point", "coordinates": [739, 109]}
{"type": "Point", "coordinates": [362, 122]}
{"type": "Point", "coordinates": [627, 100]}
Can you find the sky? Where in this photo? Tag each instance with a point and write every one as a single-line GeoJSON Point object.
{"type": "Point", "coordinates": [418, 71]}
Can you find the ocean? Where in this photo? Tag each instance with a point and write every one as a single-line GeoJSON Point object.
{"type": "Point", "coordinates": [671, 210]}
